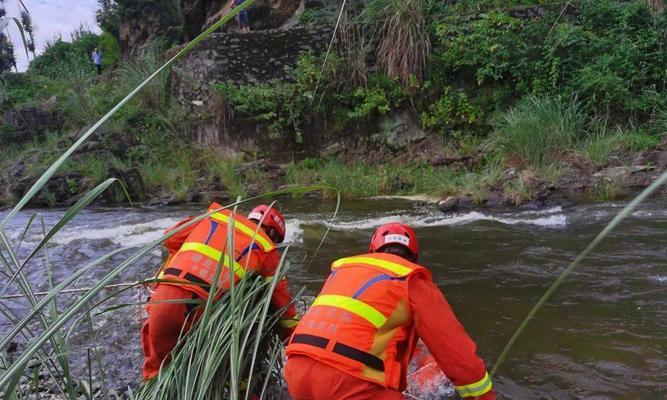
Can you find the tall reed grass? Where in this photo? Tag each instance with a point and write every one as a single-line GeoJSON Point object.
{"type": "Point", "coordinates": [539, 130]}
{"type": "Point", "coordinates": [404, 41]}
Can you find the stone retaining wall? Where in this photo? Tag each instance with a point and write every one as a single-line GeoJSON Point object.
{"type": "Point", "coordinates": [241, 58]}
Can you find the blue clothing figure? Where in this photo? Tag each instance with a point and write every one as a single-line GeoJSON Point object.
{"type": "Point", "coordinates": [243, 18]}
{"type": "Point", "coordinates": [97, 60]}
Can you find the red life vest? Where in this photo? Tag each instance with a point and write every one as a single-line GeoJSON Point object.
{"type": "Point", "coordinates": [197, 260]}
{"type": "Point", "coordinates": [361, 322]}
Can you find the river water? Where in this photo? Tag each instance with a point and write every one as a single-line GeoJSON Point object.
{"type": "Point", "coordinates": [602, 336]}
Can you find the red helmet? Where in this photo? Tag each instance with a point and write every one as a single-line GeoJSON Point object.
{"type": "Point", "coordinates": [272, 219]}
{"type": "Point", "coordinates": [394, 232]}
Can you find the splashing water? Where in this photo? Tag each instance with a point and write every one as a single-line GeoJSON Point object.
{"type": "Point", "coordinates": [551, 218]}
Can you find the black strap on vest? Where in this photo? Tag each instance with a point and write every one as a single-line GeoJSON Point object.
{"type": "Point", "coordinates": [312, 340]}
{"type": "Point", "coordinates": [188, 276]}
{"type": "Point", "coordinates": [342, 349]}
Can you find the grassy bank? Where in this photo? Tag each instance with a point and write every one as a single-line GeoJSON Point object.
{"type": "Point", "coordinates": [520, 96]}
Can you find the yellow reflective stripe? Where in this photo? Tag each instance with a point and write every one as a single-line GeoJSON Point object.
{"type": "Point", "coordinates": [215, 254]}
{"type": "Point", "coordinates": [248, 231]}
{"type": "Point", "coordinates": [476, 389]}
{"type": "Point", "coordinates": [268, 278]}
{"type": "Point", "coordinates": [397, 269]}
{"type": "Point", "coordinates": [354, 306]}
{"type": "Point", "coordinates": [288, 323]}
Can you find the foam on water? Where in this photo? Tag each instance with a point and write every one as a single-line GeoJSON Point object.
{"type": "Point", "coordinates": [139, 234]}
{"type": "Point", "coordinates": [128, 235]}
{"type": "Point", "coordinates": [551, 218]}
{"type": "Point", "coordinates": [294, 229]}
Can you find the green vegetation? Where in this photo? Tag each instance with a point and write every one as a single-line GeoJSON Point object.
{"type": "Point", "coordinates": [233, 349]}
{"type": "Point", "coordinates": [538, 131]}
{"type": "Point", "coordinates": [509, 92]}
{"type": "Point", "coordinates": [366, 180]}
{"type": "Point", "coordinates": [529, 92]}
{"type": "Point", "coordinates": [635, 109]}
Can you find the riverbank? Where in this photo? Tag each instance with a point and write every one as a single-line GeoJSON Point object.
{"type": "Point", "coordinates": [572, 111]}
{"type": "Point", "coordinates": [450, 182]}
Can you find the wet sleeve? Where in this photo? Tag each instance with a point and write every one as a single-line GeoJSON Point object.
{"type": "Point", "coordinates": [174, 243]}
{"type": "Point", "coordinates": [281, 295]}
{"type": "Point", "coordinates": [447, 340]}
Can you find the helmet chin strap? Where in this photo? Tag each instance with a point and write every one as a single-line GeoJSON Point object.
{"type": "Point", "coordinates": [271, 232]}
{"type": "Point", "coordinates": [398, 250]}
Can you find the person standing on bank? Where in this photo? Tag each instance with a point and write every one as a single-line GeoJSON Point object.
{"type": "Point", "coordinates": [357, 339]}
{"type": "Point", "coordinates": [243, 17]}
{"type": "Point", "coordinates": [97, 60]}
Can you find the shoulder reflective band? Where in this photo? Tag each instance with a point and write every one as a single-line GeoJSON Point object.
{"type": "Point", "coordinates": [246, 230]}
{"type": "Point", "coordinates": [397, 269]}
{"type": "Point", "coordinates": [476, 389]}
{"type": "Point", "coordinates": [216, 255]}
{"type": "Point", "coordinates": [354, 306]}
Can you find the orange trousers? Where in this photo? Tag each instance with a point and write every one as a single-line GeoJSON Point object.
{"type": "Point", "coordinates": [309, 379]}
{"type": "Point", "coordinates": [161, 331]}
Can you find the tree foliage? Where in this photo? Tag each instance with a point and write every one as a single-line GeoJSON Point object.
{"type": "Point", "coordinates": [110, 14]}
{"type": "Point", "coordinates": [612, 57]}
{"type": "Point", "coordinates": [7, 57]}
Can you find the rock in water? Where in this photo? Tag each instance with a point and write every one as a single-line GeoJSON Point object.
{"type": "Point", "coordinates": [449, 204]}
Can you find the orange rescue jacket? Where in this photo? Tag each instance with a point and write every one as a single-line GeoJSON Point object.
{"type": "Point", "coordinates": [196, 261]}
{"type": "Point", "coordinates": [361, 322]}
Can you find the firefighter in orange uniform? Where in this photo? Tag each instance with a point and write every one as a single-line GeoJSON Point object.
{"type": "Point", "coordinates": [356, 340]}
{"type": "Point", "coordinates": [194, 254]}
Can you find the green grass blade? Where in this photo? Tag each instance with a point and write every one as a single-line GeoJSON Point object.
{"type": "Point", "coordinates": [6, 20]}
{"type": "Point", "coordinates": [263, 316]}
{"type": "Point", "coordinates": [25, 231]}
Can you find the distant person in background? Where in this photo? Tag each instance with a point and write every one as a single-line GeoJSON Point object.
{"type": "Point", "coordinates": [242, 17]}
{"type": "Point", "coordinates": [97, 60]}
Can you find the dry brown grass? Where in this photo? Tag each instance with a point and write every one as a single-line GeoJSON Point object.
{"type": "Point", "coordinates": [657, 5]}
{"type": "Point", "coordinates": [404, 43]}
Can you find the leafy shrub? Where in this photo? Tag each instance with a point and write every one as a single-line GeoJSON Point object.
{"type": "Point", "coordinates": [538, 130]}
{"type": "Point", "coordinates": [450, 111]}
{"type": "Point", "coordinates": [612, 57]}
{"type": "Point", "coordinates": [492, 48]}
{"type": "Point", "coordinates": [380, 96]}
{"type": "Point", "coordinates": [15, 89]}
{"type": "Point", "coordinates": [110, 49]}
{"type": "Point", "coordinates": [60, 58]}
